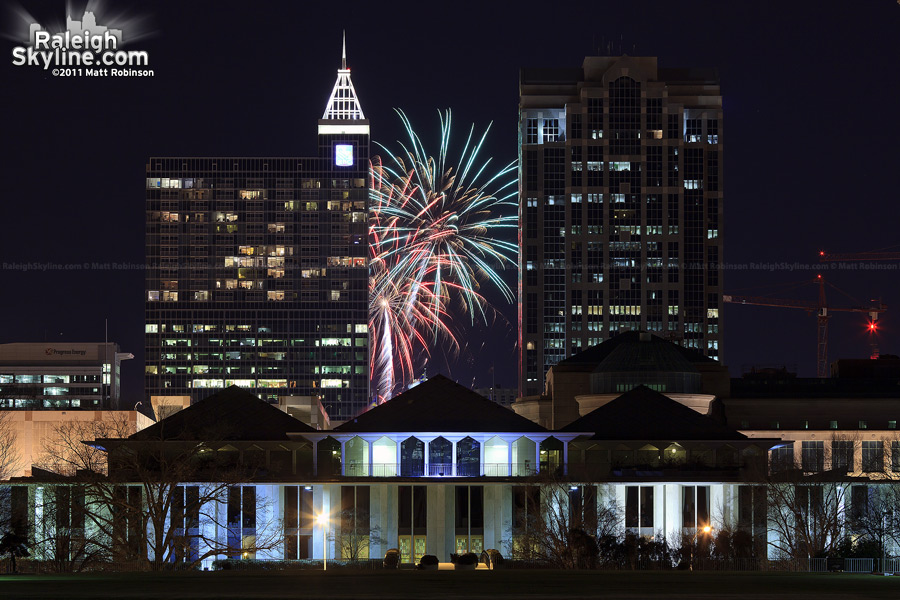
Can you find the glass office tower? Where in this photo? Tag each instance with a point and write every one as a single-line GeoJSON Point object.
{"type": "Point", "coordinates": [257, 269]}
{"type": "Point", "coordinates": [620, 208]}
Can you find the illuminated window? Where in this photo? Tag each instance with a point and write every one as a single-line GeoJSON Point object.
{"type": "Point", "coordinates": [551, 130]}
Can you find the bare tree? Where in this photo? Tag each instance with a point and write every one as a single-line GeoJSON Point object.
{"type": "Point", "coordinates": [162, 500]}
{"type": "Point", "coordinates": [355, 534]}
{"type": "Point", "coordinates": [9, 448]}
{"type": "Point", "coordinates": [561, 522]}
{"type": "Point", "coordinates": [875, 514]}
{"type": "Point", "coordinates": [60, 539]}
{"type": "Point", "coordinates": [806, 513]}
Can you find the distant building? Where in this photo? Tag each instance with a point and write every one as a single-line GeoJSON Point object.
{"type": "Point", "coordinates": [257, 270]}
{"type": "Point", "coordinates": [620, 209]}
{"type": "Point", "coordinates": [57, 375]}
{"type": "Point", "coordinates": [847, 422]}
{"type": "Point", "coordinates": [34, 430]}
{"type": "Point", "coordinates": [589, 379]}
{"type": "Point", "coordinates": [502, 396]}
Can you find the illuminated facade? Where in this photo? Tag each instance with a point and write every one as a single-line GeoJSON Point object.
{"type": "Point", "coordinates": [257, 271]}
{"type": "Point", "coordinates": [56, 375]}
{"type": "Point", "coordinates": [620, 209]}
{"type": "Point", "coordinates": [441, 470]}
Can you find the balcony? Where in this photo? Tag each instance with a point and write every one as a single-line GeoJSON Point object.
{"type": "Point", "coordinates": [437, 470]}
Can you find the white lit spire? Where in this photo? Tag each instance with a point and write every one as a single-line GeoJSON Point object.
{"type": "Point", "coordinates": [343, 105]}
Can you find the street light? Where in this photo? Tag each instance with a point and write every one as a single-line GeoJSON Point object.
{"type": "Point", "coordinates": [704, 529]}
{"type": "Point", "coordinates": [322, 520]}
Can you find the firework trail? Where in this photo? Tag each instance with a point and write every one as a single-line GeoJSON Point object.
{"type": "Point", "coordinates": [432, 232]}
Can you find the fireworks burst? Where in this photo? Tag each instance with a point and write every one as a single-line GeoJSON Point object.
{"type": "Point", "coordinates": [432, 244]}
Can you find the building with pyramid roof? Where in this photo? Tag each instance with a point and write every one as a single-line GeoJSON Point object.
{"type": "Point", "coordinates": [258, 270]}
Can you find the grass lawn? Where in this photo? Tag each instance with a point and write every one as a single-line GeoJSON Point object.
{"type": "Point", "coordinates": [449, 584]}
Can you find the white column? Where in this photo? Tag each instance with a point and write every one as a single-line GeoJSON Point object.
{"type": "Point", "coordinates": [509, 457]}
{"type": "Point", "coordinates": [672, 527]}
{"type": "Point", "coordinates": [565, 457]}
{"type": "Point", "coordinates": [481, 465]}
{"type": "Point", "coordinates": [717, 504]}
{"type": "Point", "coordinates": [343, 457]}
{"type": "Point", "coordinates": [453, 472]}
{"type": "Point", "coordinates": [315, 456]}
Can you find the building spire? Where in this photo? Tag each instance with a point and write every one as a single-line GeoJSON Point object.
{"type": "Point", "coordinates": [343, 105]}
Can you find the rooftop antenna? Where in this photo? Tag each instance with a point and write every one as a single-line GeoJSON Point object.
{"type": "Point", "coordinates": [344, 49]}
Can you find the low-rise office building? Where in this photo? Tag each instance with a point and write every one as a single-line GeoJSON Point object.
{"type": "Point", "coordinates": [56, 375]}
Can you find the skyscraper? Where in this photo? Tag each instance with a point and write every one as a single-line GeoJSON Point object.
{"type": "Point", "coordinates": [620, 208]}
{"type": "Point", "coordinates": [257, 271]}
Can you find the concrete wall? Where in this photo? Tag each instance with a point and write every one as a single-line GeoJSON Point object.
{"type": "Point", "coordinates": [36, 429]}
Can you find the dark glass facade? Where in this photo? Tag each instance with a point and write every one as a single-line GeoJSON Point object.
{"type": "Point", "coordinates": [257, 273]}
{"type": "Point", "coordinates": [620, 209]}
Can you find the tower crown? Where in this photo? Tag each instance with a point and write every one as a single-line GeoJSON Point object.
{"type": "Point", "coordinates": [343, 105]}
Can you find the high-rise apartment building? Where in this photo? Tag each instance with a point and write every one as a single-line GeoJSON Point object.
{"type": "Point", "coordinates": [620, 208]}
{"type": "Point", "coordinates": [257, 272]}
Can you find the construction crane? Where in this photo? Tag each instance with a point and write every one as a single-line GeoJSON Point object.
{"type": "Point", "coordinates": [858, 256]}
{"type": "Point", "coordinates": [822, 312]}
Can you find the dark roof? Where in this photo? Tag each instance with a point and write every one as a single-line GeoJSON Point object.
{"type": "Point", "coordinates": [591, 357]}
{"type": "Point", "coordinates": [437, 405]}
{"type": "Point", "coordinates": [232, 414]}
{"type": "Point", "coordinates": [643, 414]}
{"type": "Point", "coordinates": [647, 356]}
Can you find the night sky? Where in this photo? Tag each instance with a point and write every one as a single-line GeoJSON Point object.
{"type": "Point", "coordinates": [810, 90]}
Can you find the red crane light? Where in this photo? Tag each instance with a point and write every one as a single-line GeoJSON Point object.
{"type": "Point", "coordinates": [873, 326]}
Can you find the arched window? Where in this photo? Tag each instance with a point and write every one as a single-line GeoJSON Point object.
{"type": "Point", "coordinates": [674, 454]}
{"type": "Point", "coordinates": [523, 457]}
{"type": "Point", "coordinates": [648, 456]}
{"type": "Point", "coordinates": [357, 457]}
{"type": "Point", "coordinates": [412, 458]}
{"type": "Point", "coordinates": [384, 457]}
{"type": "Point", "coordinates": [551, 455]}
{"type": "Point", "coordinates": [496, 457]}
{"type": "Point", "coordinates": [468, 458]}
{"type": "Point", "coordinates": [440, 457]}
{"type": "Point", "coordinates": [328, 457]}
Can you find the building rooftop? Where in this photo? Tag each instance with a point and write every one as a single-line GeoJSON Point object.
{"type": "Point", "coordinates": [672, 354]}
{"type": "Point", "coordinates": [232, 414]}
{"type": "Point", "coordinates": [642, 414]}
{"type": "Point", "coordinates": [438, 405]}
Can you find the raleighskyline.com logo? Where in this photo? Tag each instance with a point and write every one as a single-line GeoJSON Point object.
{"type": "Point", "coordinates": [83, 49]}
